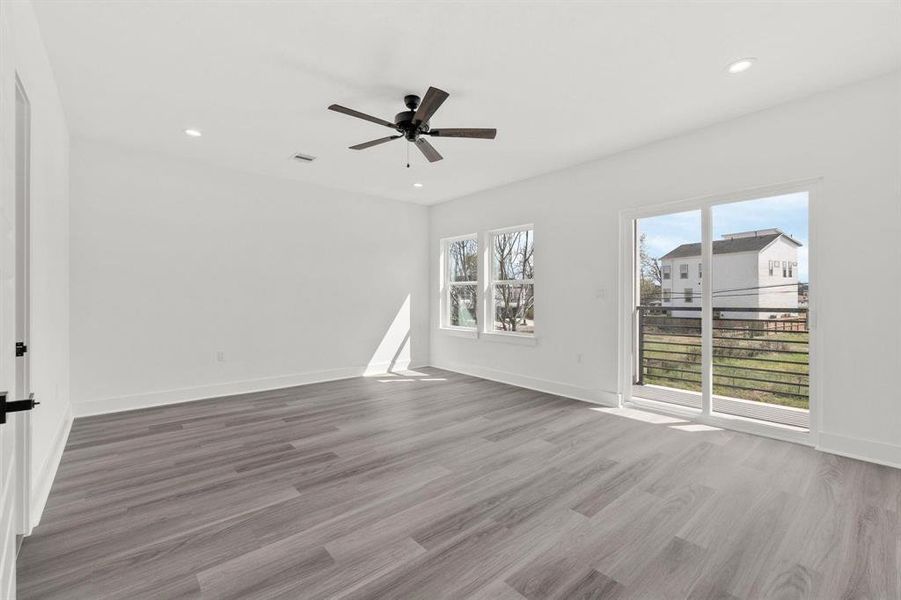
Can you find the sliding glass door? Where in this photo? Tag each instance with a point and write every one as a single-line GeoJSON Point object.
{"type": "Point", "coordinates": [720, 320]}
{"type": "Point", "coordinates": [668, 316]}
{"type": "Point", "coordinates": [760, 298]}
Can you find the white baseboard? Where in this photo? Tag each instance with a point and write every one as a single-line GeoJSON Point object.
{"type": "Point", "coordinates": [876, 452]}
{"type": "Point", "coordinates": [602, 397]}
{"type": "Point", "coordinates": [174, 396]}
{"type": "Point", "coordinates": [40, 489]}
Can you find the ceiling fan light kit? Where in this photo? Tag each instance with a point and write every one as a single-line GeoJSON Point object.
{"type": "Point", "coordinates": [413, 123]}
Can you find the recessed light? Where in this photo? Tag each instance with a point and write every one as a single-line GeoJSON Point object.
{"type": "Point", "coordinates": [417, 185]}
{"type": "Point", "coordinates": [193, 132]}
{"type": "Point", "coordinates": [742, 65]}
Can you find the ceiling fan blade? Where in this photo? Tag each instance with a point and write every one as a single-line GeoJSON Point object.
{"type": "Point", "coordinates": [486, 134]}
{"type": "Point", "coordinates": [359, 115]}
{"type": "Point", "coordinates": [430, 102]}
{"type": "Point", "coordinates": [428, 150]}
{"type": "Point", "coordinates": [365, 145]}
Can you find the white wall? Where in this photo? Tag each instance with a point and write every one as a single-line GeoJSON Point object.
{"type": "Point", "coordinates": [850, 137]}
{"type": "Point", "coordinates": [174, 261]}
{"type": "Point", "coordinates": [22, 52]}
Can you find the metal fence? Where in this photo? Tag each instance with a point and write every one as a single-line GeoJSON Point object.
{"type": "Point", "coordinates": [760, 359]}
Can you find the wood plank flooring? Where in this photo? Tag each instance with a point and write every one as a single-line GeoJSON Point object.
{"type": "Point", "coordinates": [437, 485]}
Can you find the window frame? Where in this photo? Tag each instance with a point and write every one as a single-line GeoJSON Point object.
{"type": "Point", "coordinates": [628, 244]}
{"type": "Point", "coordinates": [447, 284]}
{"type": "Point", "coordinates": [688, 295]}
{"type": "Point", "coordinates": [487, 327]}
{"type": "Point", "coordinates": [684, 270]}
{"type": "Point", "coordinates": [667, 272]}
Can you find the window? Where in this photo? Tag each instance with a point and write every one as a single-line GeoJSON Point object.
{"type": "Point", "coordinates": [683, 271]}
{"type": "Point", "coordinates": [790, 269]}
{"type": "Point", "coordinates": [700, 271]}
{"type": "Point", "coordinates": [689, 295]}
{"type": "Point", "coordinates": [784, 269]}
{"type": "Point", "coordinates": [461, 282]}
{"type": "Point", "coordinates": [667, 272]}
{"type": "Point", "coordinates": [667, 295]}
{"type": "Point", "coordinates": [512, 281]}
{"type": "Point", "coordinates": [771, 268]}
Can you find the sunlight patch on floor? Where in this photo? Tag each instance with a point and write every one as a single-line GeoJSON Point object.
{"type": "Point", "coordinates": [695, 427]}
{"type": "Point", "coordinates": [640, 415]}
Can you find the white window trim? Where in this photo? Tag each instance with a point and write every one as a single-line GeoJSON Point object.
{"type": "Point", "coordinates": [509, 337]}
{"type": "Point", "coordinates": [460, 332]}
{"type": "Point", "coordinates": [487, 298]}
{"type": "Point", "coordinates": [444, 319]}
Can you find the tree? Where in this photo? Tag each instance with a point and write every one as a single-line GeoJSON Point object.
{"type": "Point", "coordinates": [462, 267]}
{"type": "Point", "coordinates": [651, 273]}
{"type": "Point", "coordinates": [513, 260]}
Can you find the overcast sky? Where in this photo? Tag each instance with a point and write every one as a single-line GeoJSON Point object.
{"type": "Point", "coordinates": [788, 213]}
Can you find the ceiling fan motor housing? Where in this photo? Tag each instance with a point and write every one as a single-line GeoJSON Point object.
{"type": "Point", "coordinates": [405, 125]}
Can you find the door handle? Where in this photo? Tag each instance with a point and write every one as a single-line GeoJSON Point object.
{"type": "Point", "coordinates": [15, 406]}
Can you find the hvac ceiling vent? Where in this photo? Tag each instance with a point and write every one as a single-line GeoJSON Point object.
{"type": "Point", "coordinates": [303, 157]}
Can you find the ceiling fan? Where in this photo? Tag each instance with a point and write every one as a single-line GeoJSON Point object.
{"type": "Point", "coordinates": [412, 124]}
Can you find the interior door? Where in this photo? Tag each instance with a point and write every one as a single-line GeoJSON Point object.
{"type": "Point", "coordinates": [22, 420]}
{"type": "Point", "coordinates": [15, 379]}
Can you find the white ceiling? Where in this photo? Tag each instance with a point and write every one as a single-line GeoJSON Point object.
{"type": "Point", "coordinates": [562, 83]}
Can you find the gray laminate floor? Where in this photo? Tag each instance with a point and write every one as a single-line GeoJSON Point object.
{"type": "Point", "coordinates": [446, 486]}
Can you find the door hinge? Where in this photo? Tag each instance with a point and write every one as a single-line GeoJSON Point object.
{"type": "Point", "coordinates": [21, 348]}
{"type": "Point", "coordinates": [15, 406]}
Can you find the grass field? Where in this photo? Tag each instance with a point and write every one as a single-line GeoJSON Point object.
{"type": "Point", "coordinates": [774, 363]}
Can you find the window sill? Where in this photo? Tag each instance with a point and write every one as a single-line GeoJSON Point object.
{"type": "Point", "coordinates": [510, 338]}
{"type": "Point", "coordinates": [471, 334]}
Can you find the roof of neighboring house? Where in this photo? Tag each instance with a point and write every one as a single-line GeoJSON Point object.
{"type": "Point", "coordinates": [745, 243]}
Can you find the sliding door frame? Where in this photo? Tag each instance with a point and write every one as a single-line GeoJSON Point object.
{"type": "Point", "coordinates": [628, 300]}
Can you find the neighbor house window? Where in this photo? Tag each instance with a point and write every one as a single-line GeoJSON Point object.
{"type": "Point", "coordinates": [689, 295]}
{"type": "Point", "coordinates": [512, 280]}
{"type": "Point", "coordinates": [667, 295]}
{"type": "Point", "coordinates": [667, 272]}
{"type": "Point", "coordinates": [771, 267]}
{"type": "Point", "coordinates": [784, 269]}
{"type": "Point", "coordinates": [790, 268]}
{"type": "Point", "coordinates": [461, 282]}
{"type": "Point", "coordinates": [700, 270]}
{"type": "Point", "coordinates": [683, 271]}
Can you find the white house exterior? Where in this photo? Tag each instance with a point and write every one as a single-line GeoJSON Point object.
{"type": "Point", "coordinates": [751, 269]}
